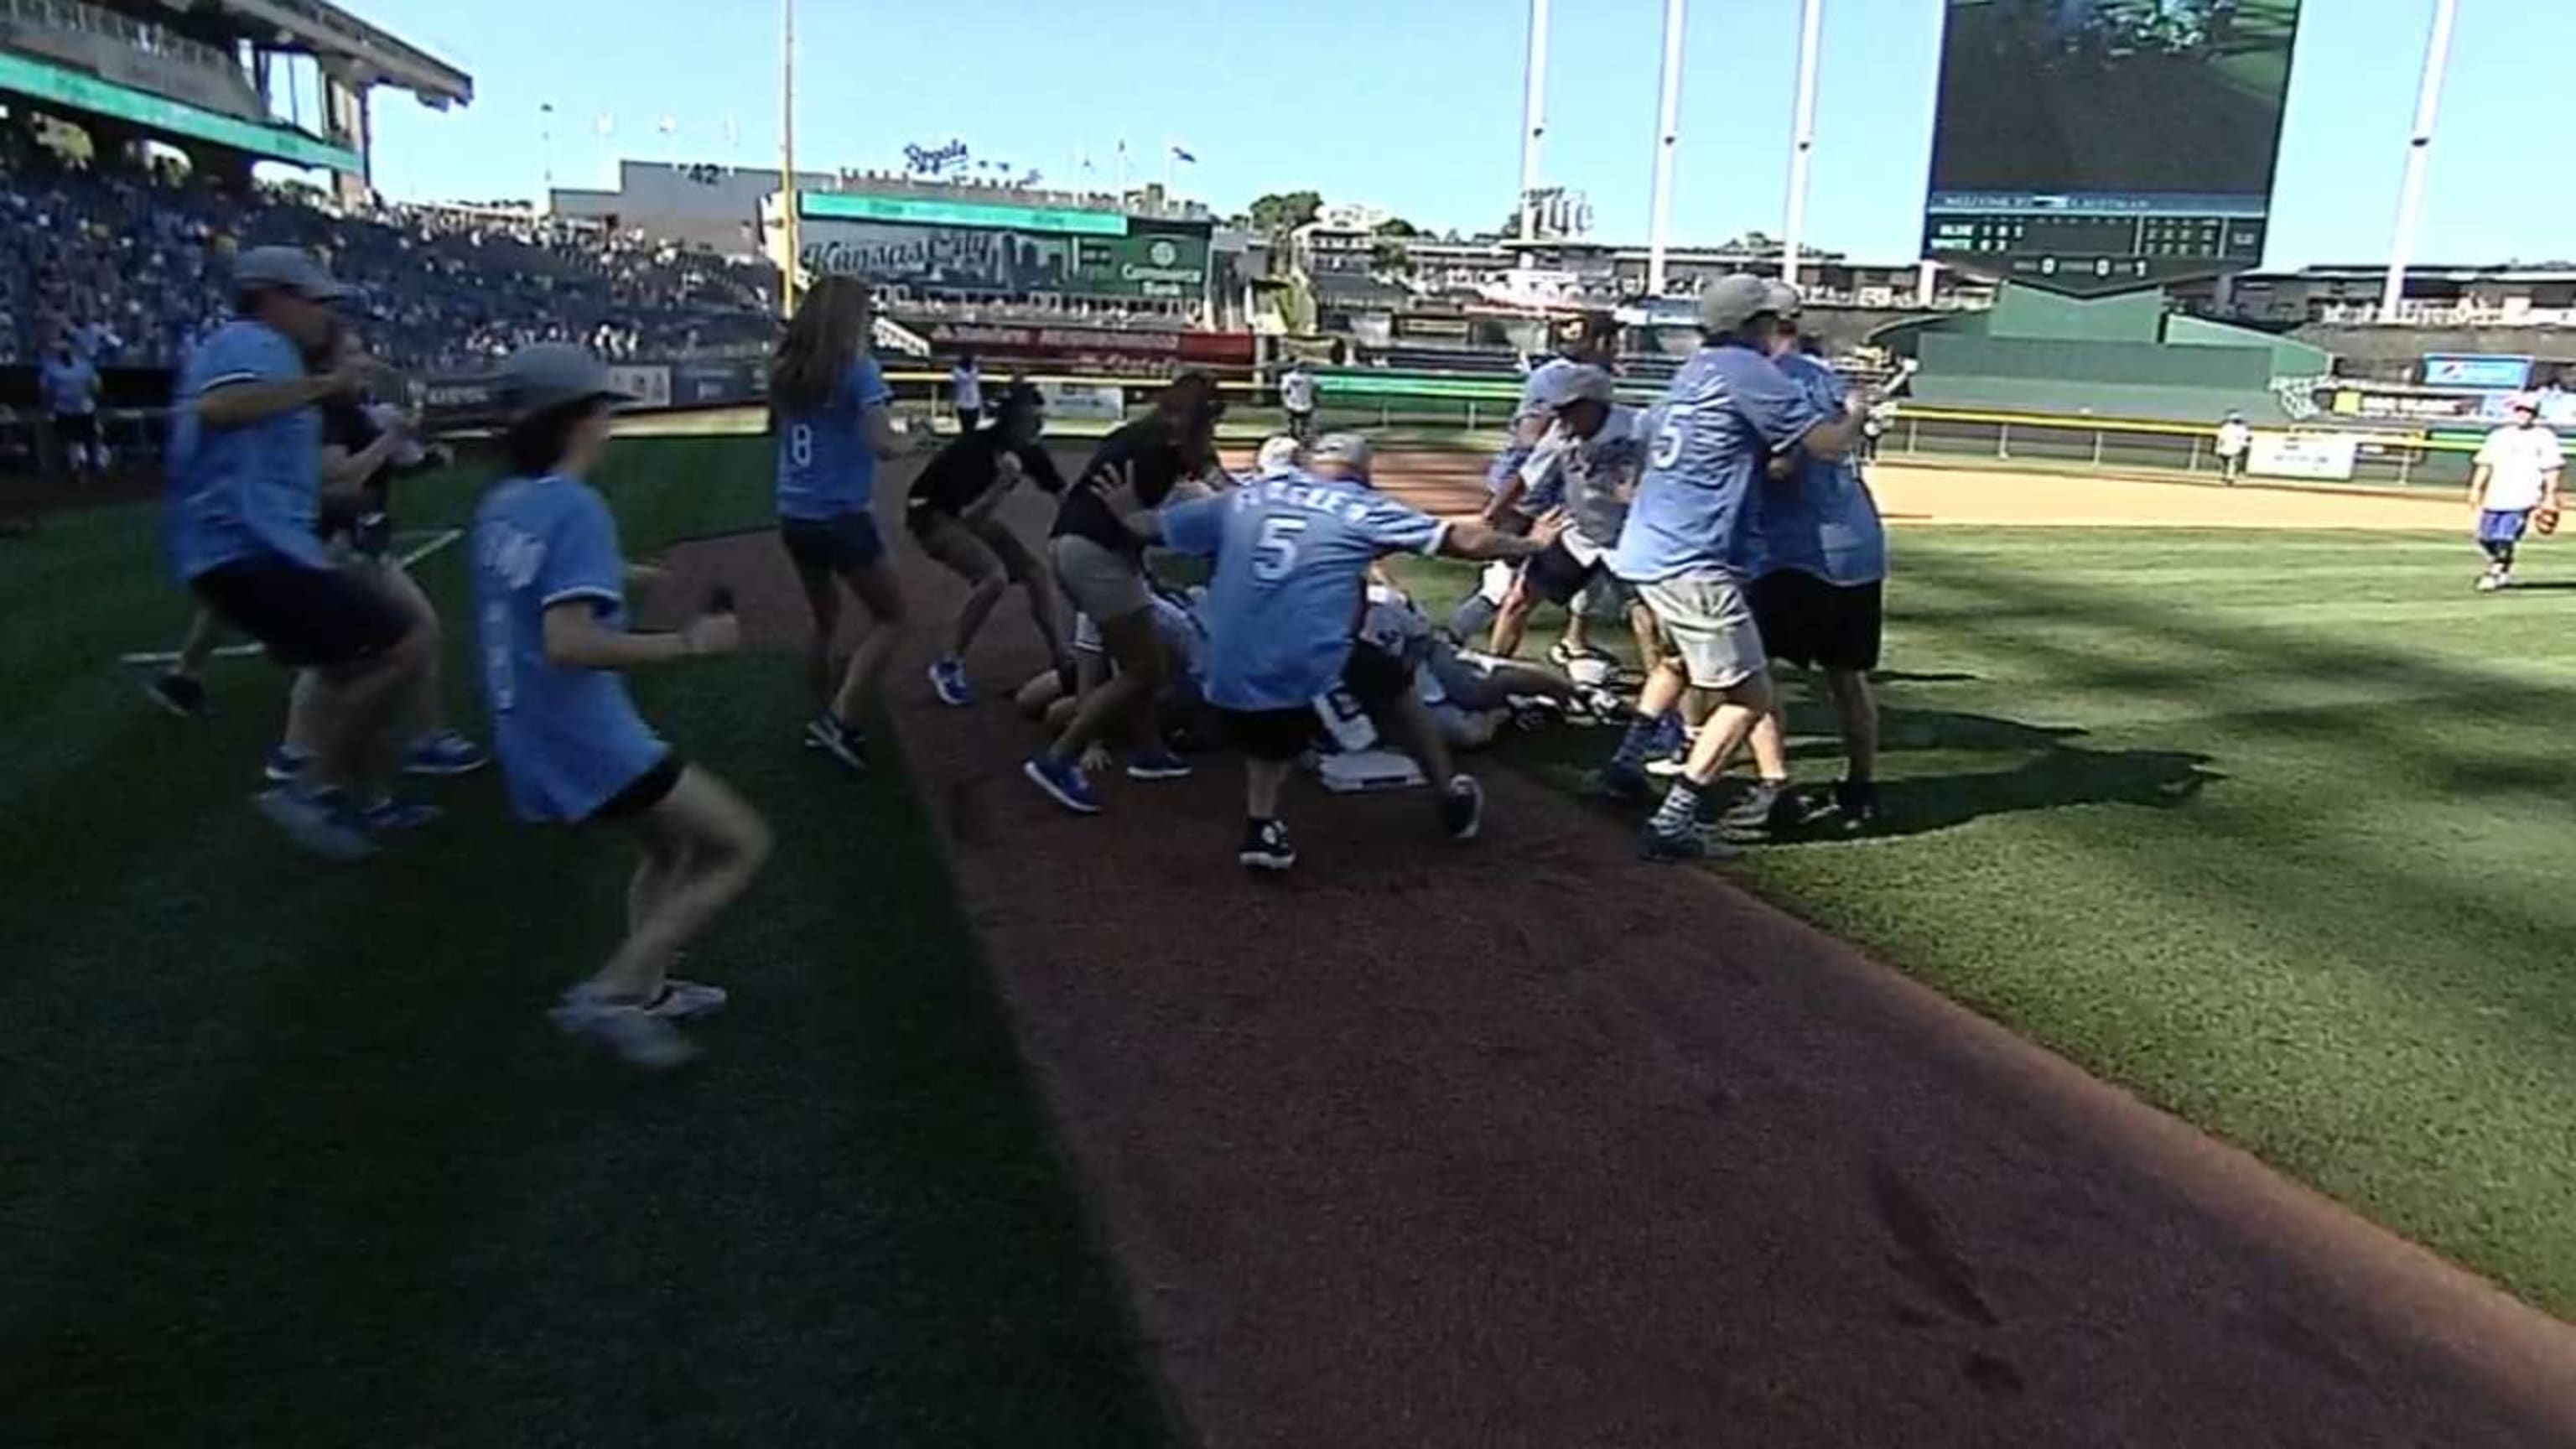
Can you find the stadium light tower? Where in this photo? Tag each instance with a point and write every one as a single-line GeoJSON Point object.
{"type": "Point", "coordinates": [1668, 129]}
{"type": "Point", "coordinates": [2419, 153]}
{"type": "Point", "coordinates": [1802, 141]}
{"type": "Point", "coordinates": [1533, 115]}
{"type": "Point", "coordinates": [787, 155]}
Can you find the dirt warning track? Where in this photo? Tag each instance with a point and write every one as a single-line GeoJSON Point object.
{"type": "Point", "coordinates": [1529, 1143]}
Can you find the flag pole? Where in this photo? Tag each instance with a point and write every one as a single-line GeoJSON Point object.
{"type": "Point", "coordinates": [787, 156]}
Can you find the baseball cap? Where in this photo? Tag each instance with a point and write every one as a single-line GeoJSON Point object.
{"type": "Point", "coordinates": [2522, 402]}
{"type": "Point", "coordinates": [1277, 455]}
{"type": "Point", "coordinates": [1584, 383]}
{"type": "Point", "coordinates": [547, 375]}
{"type": "Point", "coordinates": [1350, 450]}
{"type": "Point", "coordinates": [1735, 299]}
{"type": "Point", "coordinates": [1785, 299]}
{"type": "Point", "coordinates": [286, 269]}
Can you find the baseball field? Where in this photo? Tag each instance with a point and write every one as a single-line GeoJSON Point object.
{"type": "Point", "coordinates": [2235, 806]}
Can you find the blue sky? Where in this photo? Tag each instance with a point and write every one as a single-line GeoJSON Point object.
{"type": "Point", "coordinates": [1415, 105]}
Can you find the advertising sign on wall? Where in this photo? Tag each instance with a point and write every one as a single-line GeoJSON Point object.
{"type": "Point", "coordinates": [1152, 260]}
{"type": "Point", "coordinates": [2326, 457]}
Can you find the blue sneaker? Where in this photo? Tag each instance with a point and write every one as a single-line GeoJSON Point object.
{"type": "Point", "coordinates": [286, 764]}
{"type": "Point", "coordinates": [1672, 737]}
{"type": "Point", "coordinates": [1619, 786]}
{"type": "Point", "coordinates": [389, 815]}
{"type": "Point", "coordinates": [444, 753]}
{"type": "Point", "coordinates": [318, 820]}
{"type": "Point", "coordinates": [1064, 783]}
{"type": "Point", "coordinates": [948, 679]}
{"type": "Point", "coordinates": [1157, 763]}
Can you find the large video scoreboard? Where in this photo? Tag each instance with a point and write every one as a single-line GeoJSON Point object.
{"type": "Point", "coordinates": [2098, 146]}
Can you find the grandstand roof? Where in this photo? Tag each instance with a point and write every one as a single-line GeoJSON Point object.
{"type": "Point", "coordinates": [376, 55]}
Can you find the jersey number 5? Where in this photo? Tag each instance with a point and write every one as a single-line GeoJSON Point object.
{"type": "Point", "coordinates": [1275, 556]}
{"type": "Point", "coordinates": [800, 445]}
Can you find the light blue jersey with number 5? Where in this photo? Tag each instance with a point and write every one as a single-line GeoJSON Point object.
{"type": "Point", "coordinates": [1292, 557]}
{"type": "Point", "coordinates": [826, 467]}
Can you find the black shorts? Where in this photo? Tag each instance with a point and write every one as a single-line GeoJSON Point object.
{"type": "Point", "coordinates": [76, 427]}
{"type": "Point", "coordinates": [1557, 575]}
{"type": "Point", "coordinates": [1813, 624]}
{"type": "Point", "coordinates": [646, 791]}
{"type": "Point", "coordinates": [832, 545]}
{"type": "Point", "coordinates": [309, 618]}
{"type": "Point", "coordinates": [1376, 678]}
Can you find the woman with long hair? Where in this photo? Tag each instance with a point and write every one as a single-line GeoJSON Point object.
{"type": "Point", "coordinates": [828, 410]}
{"type": "Point", "coordinates": [550, 599]}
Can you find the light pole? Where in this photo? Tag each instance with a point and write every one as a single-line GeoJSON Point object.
{"type": "Point", "coordinates": [1803, 136]}
{"type": "Point", "coordinates": [1533, 115]}
{"type": "Point", "coordinates": [1668, 135]}
{"type": "Point", "coordinates": [546, 139]}
{"type": "Point", "coordinates": [787, 156]}
{"type": "Point", "coordinates": [2419, 154]}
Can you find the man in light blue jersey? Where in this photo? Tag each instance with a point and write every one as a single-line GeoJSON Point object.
{"type": "Point", "coordinates": [1292, 563]}
{"type": "Point", "coordinates": [245, 466]}
{"type": "Point", "coordinates": [1728, 412]}
{"type": "Point", "coordinates": [1816, 553]}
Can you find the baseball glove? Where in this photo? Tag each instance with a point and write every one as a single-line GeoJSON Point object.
{"type": "Point", "coordinates": [2545, 520]}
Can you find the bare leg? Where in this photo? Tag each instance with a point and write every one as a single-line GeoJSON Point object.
{"type": "Point", "coordinates": [875, 585]}
{"type": "Point", "coordinates": [1739, 708]}
{"type": "Point", "coordinates": [357, 707]}
{"type": "Point", "coordinates": [1262, 782]}
{"type": "Point", "coordinates": [823, 602]}
{"type": "Point", "coordinates": [1046, 610]}
{"type": "Point", "coordinates": [1409, 720]}
{"type": "Point", "coordinates": [204, 631]}
{"type": "Point", "coordinates": [308, 719]}
{"type": "Point", "coordinates": [422, 714]}
{"type": "Point", "coordinates": [702, 846]}
{"type": "Point", "coordinates": [1123, 704]}
{"type": "Point", "coordinates": [1770, 738]}
{"type": "Point", "coordinates": [980, 601]}
{"type": "Point", "coordinates": [1856, 709]}
{"type": "Point", "coordinates": [1511, 621]}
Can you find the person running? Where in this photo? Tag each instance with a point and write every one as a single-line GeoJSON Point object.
{"type": "Point", "coordinates": [550, 601]}
{"type": "Point", "coordinates": [828, 405]}
{"type": "Point", "coordinates": [2517, 473]}
{"type": "Point", "coordinates": [1293, 557]}
{"type": "Point", "coordinates": [1817, 556]}
{"type": "Point", "coordinates": [1728, 410]}
{"type": "Point", "coordinates": [70, 386]}
{"type": "Point", "coordinates": [966, 380]}
{"type": "Point", "coordinates": [244, 488]}
{"type": "Point", "coordinates": [1100, 565]}
{"type": "Point", "coordinates": [360, 461]}
{"type": "Point", "coordinates": [951, 515]}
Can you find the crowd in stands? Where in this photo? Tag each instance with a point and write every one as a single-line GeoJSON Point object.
{"type": "Point", "coordinates": [133, 265]}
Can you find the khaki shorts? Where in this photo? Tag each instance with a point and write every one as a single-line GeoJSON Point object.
{"type": "Point", "coordinates": [1710, 624]}
{"type": "Point", "coordinates": [1101, 582]}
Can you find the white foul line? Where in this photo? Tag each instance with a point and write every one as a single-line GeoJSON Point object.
{"type": "Point", "coordinates": [436, 541]}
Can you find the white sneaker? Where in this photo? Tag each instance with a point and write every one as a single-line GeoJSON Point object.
{"type": "Point", "coordinates": [635, 1034]}
{"type": "Point", "coordinates": [2488, 583]}
{"type": "Point", "coordinates": [1462, 809]}
{"type": "Point", "coordinates": [686, 1000]}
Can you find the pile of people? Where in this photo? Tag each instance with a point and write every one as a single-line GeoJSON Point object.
{"type": "Point", "coordinates": [133, 269]}
{"type": "Point", "coordinates": [1724, 525]}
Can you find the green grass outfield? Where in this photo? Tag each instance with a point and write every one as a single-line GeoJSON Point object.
{"type": "Point", "coordinates": [292, 1158]}
{"type": "Point", "coordinates": [2274, 829]}
{"type": "Point", "coordinates": [2270, 827]}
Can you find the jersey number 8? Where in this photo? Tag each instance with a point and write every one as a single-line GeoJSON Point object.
{"type": "Point", "coordinates": [800, 445]}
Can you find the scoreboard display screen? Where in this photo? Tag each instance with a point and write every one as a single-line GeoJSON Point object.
{"type": "Point", "coordinates": [2098, 146]}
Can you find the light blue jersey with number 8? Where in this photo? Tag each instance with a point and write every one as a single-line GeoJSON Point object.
{"type": "Point", "coordinates": [826, 469]}
{"type": "Point", "coordinates": [1292, 557]}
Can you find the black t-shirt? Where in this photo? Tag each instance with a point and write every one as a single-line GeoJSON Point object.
{"type": "Point", "coordinates": [961, 473]}
{"type": "Point", "coordinates": [1147, 443]}
{"type": "Point", "coordinates": [345, 424]}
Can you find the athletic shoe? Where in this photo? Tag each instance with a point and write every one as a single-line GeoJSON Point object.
{"type": "Point", "coordinates": [443, 755]}
{"type": "Point", "coordinates": [1595, 705]}
{"type": "Point", "coordinates": [1064, 783]}
{"type": "Point", "coordinates": [680, 1000]}
{"type": "Point", "coordinates": [318, 820]}
{"type": "Point", "coordinates": [634, 1033]}
{"type": "Point", "coordinates": [1668, 767]}
{"type": "Point", "coordinates": [948, 680]}
{"type": "Point", "coordinates": [1462, 808]}
{"type": "Point", "coordinates": [1856, 805]}
{"type": "Point", "coordinates": [1157, 763]}
{"type": "Point", "coordinates": [286, 764]}
{"type": "Point", "coordinates": [1765, 810]}
{"type": "Point", "coordinates": [1266, 846]}
{"type": "Point", "coordinates": [844, 743]}
{"type": "Point", "coordinates": [1669, 846]}
{"type": "Point", "coordinates": [389, 815]}
{"type": "Point", "coordinates": [179, 695]}
{"type": "Point", "coordinates": [2504, 578]}
{"type": "Point", "coordinates": [1620, 786]}
{"type": "Point", "coordinates": [1566, 656]}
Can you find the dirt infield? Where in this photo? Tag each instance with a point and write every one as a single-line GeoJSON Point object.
{"type": "Point", "coordinates": [1529, 1143]}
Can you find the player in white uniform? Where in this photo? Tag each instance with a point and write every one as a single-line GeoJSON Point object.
{"type": "Point", "coordinates": [1297, 399]}
{"type": "Point", "coordinates": [2517, 473]}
